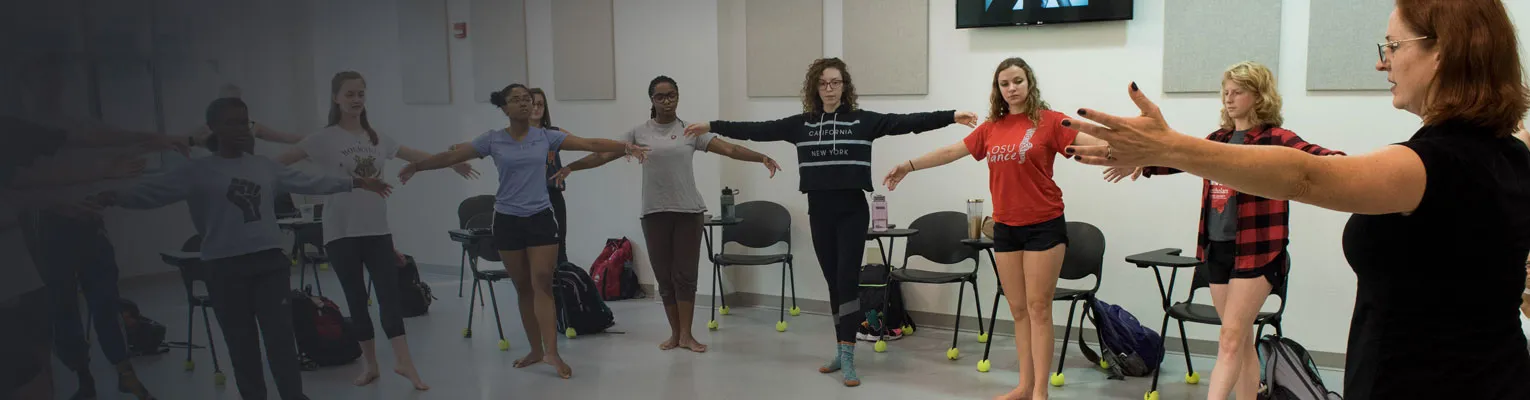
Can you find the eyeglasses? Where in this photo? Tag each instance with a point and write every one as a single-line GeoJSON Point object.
{"type": "Point", "coordinates": [831, 84]}
{"type": "Point", "coordinates": [666, 97]}
{"type": "Point", "coordinates": [520, 99]}
{"type": "Point", "coordinates": [1385, 49]}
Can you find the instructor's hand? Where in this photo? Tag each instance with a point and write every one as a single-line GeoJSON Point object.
{"type": "Point", "coordinates": [1132, 141]}
{"type": "Point", "coordinates": [697, 129]}
{"type": "Point", "coordinates": [967, 118]}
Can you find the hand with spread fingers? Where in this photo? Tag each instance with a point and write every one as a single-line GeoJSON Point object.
{"type": "Point", "coordinates": [1132, 141]}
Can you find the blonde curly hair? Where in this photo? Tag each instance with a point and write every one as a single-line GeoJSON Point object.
{"type": "Point", "coordinates": [1256, 78]}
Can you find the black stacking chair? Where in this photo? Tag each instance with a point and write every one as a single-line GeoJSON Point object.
{"type": "Point", "coordinates": [1191, 311]}
{"type": "Point", "coordinates": [765, 224]}
{"type": "Point", "coordinates": [310, 235]}
{"type": "Point", "coordinates": [940, 241]}
{"type": "Point", "coordinates": [485, 250]}
{"type": "Point", "coordinates": [191, 271]}
{"type": "Point", "coordinates": [1084, 257]}
{"type": "Point", "coordinates": [469, 208]}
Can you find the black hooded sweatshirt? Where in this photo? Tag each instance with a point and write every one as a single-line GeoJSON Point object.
{"type": "Point", "coordinates": [834, 149]}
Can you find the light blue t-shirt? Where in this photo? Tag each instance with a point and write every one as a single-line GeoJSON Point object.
{"type": "Point", "coordinates": [522, 168]}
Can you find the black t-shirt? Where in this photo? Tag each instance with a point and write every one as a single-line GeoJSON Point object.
{"type": "Point", "coordinates": [1437, 307]}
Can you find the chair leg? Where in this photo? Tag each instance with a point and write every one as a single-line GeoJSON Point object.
{"type": "Point", "coordinates": [1068, 333]}
{"type": "Point", "coordinates": [792, 272]}
{"type": "Point", "coordinates": [993, 317]}
{"type": "Point", "coordinates": [978, 302]}
{"type": "Point", "coordinates": [783, 294]}
{"type": "Point", "coordinates": [715, 293]}
{"type": "Point", "coordinates": [461, 272]}
{"type": "Point", "coordinates": [468, 331]}
{"type": "Point", "coordinates": [316, 284]}
{"type": "Point", "coordinates": [1161, 340]}
{"type": "Point", "coordinates": [1183, 341]}
{"type": "Point", "coordinates": [956, 328]}
{"type": "Point", "coordinates": [212, 345]}
{"type": "Point", "coordinates": [191, 321]}
{"type": "Point", "coordinates": [495, 301]}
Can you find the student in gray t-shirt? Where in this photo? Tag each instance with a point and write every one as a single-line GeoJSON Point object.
{"type": "Point", "coordinates": [672, 206]}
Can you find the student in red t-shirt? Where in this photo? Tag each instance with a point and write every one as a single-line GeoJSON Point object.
{"type": "Point", "coordinates": [1020, 141]}
{"type": "Point", "coordinates": [1243, 237]}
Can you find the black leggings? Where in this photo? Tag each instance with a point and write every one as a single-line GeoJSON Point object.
{"type": "Point", "coordinates": [348, 255]}
{"type": "Point", "coordinates": [839, 220]}
{"type": "Point", "coordinates": [560, 213]}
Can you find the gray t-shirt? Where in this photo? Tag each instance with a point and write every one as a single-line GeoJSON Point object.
{"type": "Point", "coordinates": [669, 179]}
{"type": "Point", "coordinates": [1222, 214]}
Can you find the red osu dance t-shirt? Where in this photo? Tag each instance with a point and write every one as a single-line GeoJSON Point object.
{"type": "Point", "coordinates": [1020, 154]}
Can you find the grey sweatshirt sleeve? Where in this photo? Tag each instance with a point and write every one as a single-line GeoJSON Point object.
{"type": "Point", "coordinates": [292, 180]}
{"type": "Point", "coordinates": [158, 191]}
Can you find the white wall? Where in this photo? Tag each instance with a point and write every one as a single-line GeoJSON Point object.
{"type": "Point", "coordinates": [699, 43]}
{"type": "Point", "coordinates": [668, 37]}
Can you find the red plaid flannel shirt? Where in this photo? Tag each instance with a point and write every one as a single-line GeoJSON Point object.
{"type": "Point", "coordinates": [1262, 222]}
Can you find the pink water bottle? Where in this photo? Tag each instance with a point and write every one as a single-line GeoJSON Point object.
{"type": "Point", "coordinates": [878, 213]}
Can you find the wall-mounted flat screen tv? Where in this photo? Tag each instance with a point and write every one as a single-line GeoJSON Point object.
{"type": "Point", "coordinates": [986, 13]}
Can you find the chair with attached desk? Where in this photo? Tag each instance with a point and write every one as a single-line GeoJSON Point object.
{"type": "Point", "coordinates": [1190, 311]}
{"type": "Point", "coordinates": [469, 208]}
{"type": "Point", "coordinates": [484, 249]}
{"type": "Point", "coordinates": [765, 224]}
{"type": "Point", "coordinates": [188, 261]}
{"type": "Point", "coordinates": [1084, 257]}
{"type": "Point", "coordinates": [310, 234]}
{"type": "Point", "coordinates": [939, 240]}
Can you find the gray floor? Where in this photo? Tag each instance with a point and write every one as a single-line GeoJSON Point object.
{"type": "Point", "coordinates": [748, 360]}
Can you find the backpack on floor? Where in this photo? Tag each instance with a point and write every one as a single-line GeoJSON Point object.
{"type": "Point", "coordinates": [323, 334]}
{"type": "Point", "coordinates": [1289, 373]}
{"type": "Point", "coordinates": [579, 307]}
{"type": "Point", "coordinates": [414, 295]}
{"type": "Point", "coordinates": [1127, 347]}
{"type": "Point", "coordinates": [882, 301]}
{"type": "Point", "coordinates": [612, 272]}
{"type": "Point", "coordinates": [144, 336]}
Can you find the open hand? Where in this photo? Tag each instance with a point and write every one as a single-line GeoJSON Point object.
{"type": "Point", "coordinates": [1132, 141]}
{"type": "Point", "coordinates": [406, 173]}
{"type": "Point", "coordinates": [896, 175]}
{"type": "Point", "coordinates": [559, 176]}
{"type": "Point", "coordinates": [375, 185]}
{"type": "Point", "coordinates": [772, 166]}
{"type": "Point", "coordinates": [967, 118]}
{"type": "Point", "coordinates": [697, 129]}
{"type": "Point", "coordinates": [167, 142]}
{"type": "Point", "coordinates": [466, 170]}
{"type": "Point", "coordinates": [1116, 174]}
{"type": "Point", "coordinates": [639, 152]}
{"type": "Point", "coordinates": [124, 167]}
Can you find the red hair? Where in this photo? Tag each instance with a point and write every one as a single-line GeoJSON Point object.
{"type": "Point", "coordinates": [1479, 79]}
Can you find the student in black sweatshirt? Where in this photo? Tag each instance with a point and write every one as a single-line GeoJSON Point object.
{"type": "Point", "coordinates": [833, 138]}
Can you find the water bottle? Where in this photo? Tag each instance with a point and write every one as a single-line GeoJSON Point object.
{"type": "Point", "coordinates": [727, 203]}
{"type": "Point", "coordinates": [975, 219]}
{"type": "Point", "coordinates": [878, 213]}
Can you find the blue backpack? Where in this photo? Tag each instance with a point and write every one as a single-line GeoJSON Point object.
{"type": "Point", "coordinates": [1127, 347]}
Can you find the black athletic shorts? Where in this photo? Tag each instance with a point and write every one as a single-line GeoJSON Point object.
{"type": "Point", "coordinates": [1037, 237]}
{"type": "Point", "coordinates": [512, 233]}
{"type": "Point", "coordinates": [1220, 266]}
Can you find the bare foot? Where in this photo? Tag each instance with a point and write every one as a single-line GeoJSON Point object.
{"type": "Point", "coordinates": [693, 345]}
{"type": "Point", "coordinates": [368, 375]}
{"type": "Point", "coordinates": [1017, 394]}
{"type": "Point", "coordinates": [563, 369]}
{"type": "Point", "coordinates": [530, 359]}
{"type": "Point", "coordinates": [669, 344]}
{"type": "Point", "coordinates": [408, 371]}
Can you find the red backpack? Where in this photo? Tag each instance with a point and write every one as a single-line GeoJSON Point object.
{"type": "Point", "coordinates": [614, 278]}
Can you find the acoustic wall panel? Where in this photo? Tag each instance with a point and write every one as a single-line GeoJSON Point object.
{"type": "Point", "coordinates": [889, 40]}
{"type": "Point", "coordinates": [1199, 41]}
{"type": "Point", "coordinates": [781, 37]}
{"type": "Point", "coordinates": [1338, 56]}
{"type": "Point", "coordinates": [497, 32]}
{"type": "Point", "coordinates": [423, 54]}
{"type": "Point", "coordinates": [584, 50]}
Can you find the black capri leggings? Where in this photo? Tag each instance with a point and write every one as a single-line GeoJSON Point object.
{"type": "Point", "coordinates": [839, 219]}
{"type": "Point", "coordinates": [348, 255]}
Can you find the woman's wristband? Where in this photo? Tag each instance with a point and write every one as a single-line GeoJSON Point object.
{"type": "Point", "coordinates": [911, 166]}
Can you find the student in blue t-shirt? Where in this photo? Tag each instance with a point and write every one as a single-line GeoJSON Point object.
{"type": "Point", "coordinates": [525, 232]}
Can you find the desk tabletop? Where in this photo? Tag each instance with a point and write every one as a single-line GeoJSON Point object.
{"type": "Point", "coordinates": [1167, 257]}
{"type": "Point", "coordinates": [296, 221]}
{"type": "Point", "coordinates": [467, 235]}
{"type": "Point", "coordinates": [723, 222]}
{"type": "Point", "coordinates": [891, 233]}
{"type": "Point", "coordinates": [980, 244]}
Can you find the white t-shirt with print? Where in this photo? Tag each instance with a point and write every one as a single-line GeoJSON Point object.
{"type": "Point", "coordinates": [338, 151]}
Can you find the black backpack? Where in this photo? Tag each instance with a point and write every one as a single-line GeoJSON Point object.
{"type": "Point", "coordinates": [324, 335]}
{"type": "Point", "coordinates": [882, 300]}
{"type": "Point", "coordinates": [414, 295]}
{"type": "Point", "coordinates": [144, 336]}
{"type": "Point", "coordinates": [580, 309]}
{"type": "Point", "coordinates": [1289, 373]}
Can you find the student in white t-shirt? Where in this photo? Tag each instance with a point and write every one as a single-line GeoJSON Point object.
{"type": "Point", "coordinates": [356, 229]}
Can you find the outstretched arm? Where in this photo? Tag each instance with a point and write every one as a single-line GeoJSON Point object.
{"type": "Point", "coordinates": [265, 133]}
{"type": "Point", "coordinates": [292, 156]}
{"type": "Point", "coordinates": [741, 153]}
{"type": "Point", "coordinates": [899, 124]}
{"type": "Point", "coordinates": [411, 154]}
{"type": "Point", "coordinates": [941, 156]}
{"type": "Point", "coordinates": [457, 155]}
{"type": "Point", "coordinates": [595, 145]}
{"type": "Point", "coordinates": [761, 131]}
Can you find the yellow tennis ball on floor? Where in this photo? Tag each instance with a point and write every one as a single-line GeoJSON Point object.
{"type": "Point", "coordinates": [504, 345]}
{"type": "Point", "coordinates": [1153, 395]}
{"type": "Point", "coordinates": [190, 365]}
{"type": "Point", "coordinates": [723, 311]}
{"type": "Point", "coordinates": [1193, 378]}
{"type": "Point", "coordinates": [984, 365]}
{"type": "Point", "coordinates": [983, 338]}
{"type": "Point", "coordinates": [880, 347]}
{"type": "Point", "coordinates": [220, 379]}
{"type": "Point", "coordinates": [953, 354]}
{"type": "Point", "coordinates": [1057, 379]}
{"type": "Point", "coordinates": [570, 333]}
{"type": "Point", "coordinates": [796, 311]}
{"type": "Point", "coordinates": [780, 326]}
{"type": "Point", "coordinates": [712, 325]}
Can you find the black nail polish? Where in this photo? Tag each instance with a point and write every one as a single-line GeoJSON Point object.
{"type": "Point", "coordinates": [1069, 150]}
{"type": "Point", "coordinates": [1134, 86]}
{"type": "Point", "coordinates": [1082, 112]}
{"type": "Point", "coordinates": [1067, 123]}
{"type": "Point", "coordinates": [1078, 158]}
